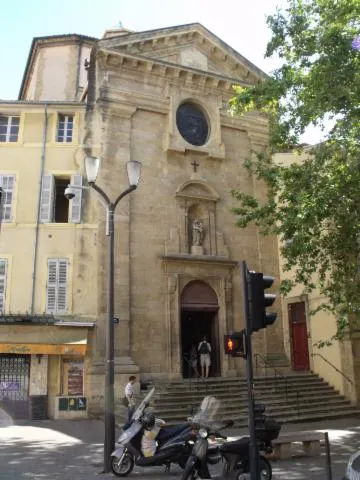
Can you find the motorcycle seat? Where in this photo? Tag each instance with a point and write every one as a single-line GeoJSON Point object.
{"type": "Point", "coordinates": [171, 431]}
{"type": "Point", "coordinates": [236, 446]}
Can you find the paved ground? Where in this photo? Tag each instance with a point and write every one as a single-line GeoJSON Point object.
{"type": "Point", "coordinates": [72, 450]}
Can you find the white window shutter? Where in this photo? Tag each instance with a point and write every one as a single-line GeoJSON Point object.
{"type": "Point", "coordinates": [51, 286]}
{"type": "Point", "coordinates": [47, 199]}
{"type": "Point", "coordinates": [75, 203]}
{"type": "Point", "coordinates": [62, 286]}
{"type": "Point", "coordinates": [56, 295]}
{"type": "Point", "coordinates": [3, 272]}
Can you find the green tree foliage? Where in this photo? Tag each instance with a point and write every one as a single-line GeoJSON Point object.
{"type": "Point", "coordinates": [314, 206]}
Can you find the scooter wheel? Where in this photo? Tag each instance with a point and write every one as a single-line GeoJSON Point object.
{"type": "Point", "coordinates": [123, 467]}
{"type": "Point", "coordinates": [189, 473]}
{"type": "Point", "coordinates": [265, 470]}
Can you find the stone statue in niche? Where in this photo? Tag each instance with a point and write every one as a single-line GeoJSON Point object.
{"type": "Point", "coordinates": [198, 233]}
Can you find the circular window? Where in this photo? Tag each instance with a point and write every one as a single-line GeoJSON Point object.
{"type": "Point", "coordinates": [192, 124]}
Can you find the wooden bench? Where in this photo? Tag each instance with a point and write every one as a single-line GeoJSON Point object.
{"type": "Point", "coordinates": [310, 442]}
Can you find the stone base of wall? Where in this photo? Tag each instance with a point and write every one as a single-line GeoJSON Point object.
{"type": "Point", "coordinates": [38, 407]}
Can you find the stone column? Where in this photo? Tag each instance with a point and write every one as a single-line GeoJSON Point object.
{"type": "Point", "coordinates": [116, 127]}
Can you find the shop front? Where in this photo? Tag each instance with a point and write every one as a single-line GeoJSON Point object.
{"type": "Point", "coordinates": [43, 370]}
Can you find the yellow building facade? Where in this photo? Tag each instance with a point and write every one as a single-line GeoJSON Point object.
{"type": "Point", "coordinates": [338, 363]}
{"type": "Point", "coordinates": [46, 258]}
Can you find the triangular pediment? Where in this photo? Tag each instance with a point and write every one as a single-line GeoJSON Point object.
{"type": "Point", "coordinates": [188, 46]}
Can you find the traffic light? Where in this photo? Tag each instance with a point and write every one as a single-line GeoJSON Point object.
{"type": "Point", "coordinates": [259, 300]}
{"type": "Point", "coordinates": [234, 344]}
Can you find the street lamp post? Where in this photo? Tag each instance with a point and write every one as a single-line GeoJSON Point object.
{"type": "Point", "coordinates": [92, 165]}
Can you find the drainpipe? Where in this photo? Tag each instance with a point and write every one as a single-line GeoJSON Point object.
{"type": "Point", "coordinates": [78, 67]}
{"type": "Point", "coordinates": [36, 245]}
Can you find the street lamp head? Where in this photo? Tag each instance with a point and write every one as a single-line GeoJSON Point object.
{"type": "Point", "coordinates": [92, 165]}
{"type": "Point", "coordinates": [133, 170]}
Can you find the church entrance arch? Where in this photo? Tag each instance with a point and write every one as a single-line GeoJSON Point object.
{"type": "Point", "coordinates": [199, 318]}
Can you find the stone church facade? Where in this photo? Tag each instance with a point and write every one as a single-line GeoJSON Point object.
{"type": "Point", "coordinates": [159, 97]}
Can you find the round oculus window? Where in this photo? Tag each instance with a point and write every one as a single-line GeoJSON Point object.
{"type": "Point", "coordinates": [192, 124]}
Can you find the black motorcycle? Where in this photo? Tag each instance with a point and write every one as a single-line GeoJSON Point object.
{"type": "Point", "coordinates": [205, 421]}
{"type": "Point", "coordinates": [235, 454]}
{"type": "Point", "coordinates": [172, 443]}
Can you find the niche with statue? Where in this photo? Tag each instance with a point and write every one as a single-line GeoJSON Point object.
{"type": "Point", "coordinates": [196, 233]}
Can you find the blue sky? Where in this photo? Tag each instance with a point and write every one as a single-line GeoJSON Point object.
{"type": "Point", "coordinates": [240, 23]}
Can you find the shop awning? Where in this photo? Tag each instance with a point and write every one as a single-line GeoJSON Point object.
{"type": "Point", "coordinates": [43, 340]}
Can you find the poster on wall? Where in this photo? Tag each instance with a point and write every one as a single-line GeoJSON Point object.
{"type": "Point", "coordinates": [75, 378]}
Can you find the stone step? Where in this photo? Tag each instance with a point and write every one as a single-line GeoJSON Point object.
{"type": "Point", "coordinates": [273, 410]}
{"type": "Point", "coordinates": [188, 396]}
{"type": "Point", "coordinates": [242, 395]}
{"type": "Point", "coordinates": [236, 385]}
{"type": "Point", "coordinates": [295, 397]}
{"type": "Point", "coordinates": [301, 396]}
{"type": "Point", "coordinates": [242, 421]}
{"type": "Point", "coordinates": [238, 382]}
{"type": "Point", "coordinates": [289, 416]}
{"type": "Point", "coordinates": [213, 382]}
{"type": "Point", "coordinates": [270, 404]}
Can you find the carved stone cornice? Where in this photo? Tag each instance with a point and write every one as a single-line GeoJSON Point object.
{"type": "Point", "coordinates": [203, 259]}
{"type": "Point", "coordinates": [168, 41]}
{"type": "Point", "coordinates": [189, 75]}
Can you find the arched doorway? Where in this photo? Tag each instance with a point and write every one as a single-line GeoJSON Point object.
{"type": "Point", "coordinates": [199, 307]}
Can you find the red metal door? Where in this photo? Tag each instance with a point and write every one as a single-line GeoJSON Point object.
{"type": "Point", "coordinates": [299, 337]}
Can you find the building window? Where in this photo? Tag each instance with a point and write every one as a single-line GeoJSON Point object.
{"type": "Point", "coordinates": [65, 128]}
{"type": "Point", "coordinates": [72, 376]}
{"type": "Point", "coordinates": [3, 272]}
{"type": "Point", "coordinates": [54, 206]}
{"type": "Point", "coordinates": [56, 295]}
{"type": "Point", "coordinates": [192, 124]}
{"type": "Point", "coordinates": [61, 204]}
{"type": "Point", "coordinates": [9, 128]}
{"type": "Point", "coordinates": [7, 184]}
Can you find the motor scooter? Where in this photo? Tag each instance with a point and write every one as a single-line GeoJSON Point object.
{"type": "Point", "coordinates": [235, 454]}
{"type": "Point", "coordinates": [172, 444]}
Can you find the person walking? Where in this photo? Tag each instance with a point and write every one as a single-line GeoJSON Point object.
{"type": "Point", "coordinates": [194, 361]}
{"type": "Point", "coordinates": [204, 349]}
{"type": "Point", "coordinates": [129, 394]}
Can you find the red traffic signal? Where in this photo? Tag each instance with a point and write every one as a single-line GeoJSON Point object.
{"type": "Point", "coordinates": [234, 344]}
{"type": "Point", "coordinates": [229, 344]}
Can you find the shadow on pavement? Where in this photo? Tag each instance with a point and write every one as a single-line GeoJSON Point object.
{"type": "Point", "coordinates": [68, 450]}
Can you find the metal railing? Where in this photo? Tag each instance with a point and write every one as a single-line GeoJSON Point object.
{"type": "Point", "coordinates": [334, 367]}
{"type": "Point", "coordinates": [279, 380]}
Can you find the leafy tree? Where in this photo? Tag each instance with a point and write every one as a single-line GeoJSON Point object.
{"type": "Point", "coordinates": [314, 205]}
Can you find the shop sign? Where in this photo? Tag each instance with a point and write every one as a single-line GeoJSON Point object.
{"type": "Point", "coordinates": [9, 386]}
{"type": "Point", "coordinates": [72, 403]}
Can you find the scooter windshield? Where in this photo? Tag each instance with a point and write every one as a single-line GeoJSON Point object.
{"type": "Point", "coordinates": [130, 432]}
{"type": "Point", "coordinates": [209, 413]}
{"type": "Point", "coordinates": [140, 409]}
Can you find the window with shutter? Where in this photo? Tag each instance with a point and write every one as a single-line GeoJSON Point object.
{"type": "Point", "coordinates": [47, 199]}
{"type": "Point", "coordinates": [75, 203]}
{"type": "Point", "coordinates": [54, 206]}
{"type": "Point", "coordinates": [56, 296]}
{"type": "Point", "coordinates": [7, 183]}
{"type": "Point", "coordinates": [3, 272]}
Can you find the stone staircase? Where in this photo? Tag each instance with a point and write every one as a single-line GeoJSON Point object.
{"type": "Point", "coordinates": [289, 398]}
